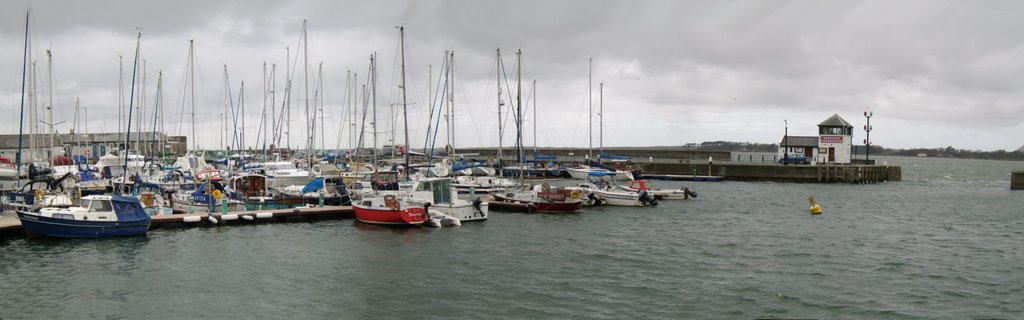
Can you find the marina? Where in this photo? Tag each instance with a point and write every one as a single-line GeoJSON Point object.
{"type": "Point", "coordinates": [447, 160]}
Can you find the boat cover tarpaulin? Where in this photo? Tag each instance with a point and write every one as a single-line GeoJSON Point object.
{"type": "Point", "coordinates": [129, 209]}
{"type": "Point", "coordinates": [601, 173]}
{"type": "Point", "coordinates": [462, 165]}
{"type": "Point", "coordinates": [314, 186]}
{"type": "Point", "coordinates": [595, 164]}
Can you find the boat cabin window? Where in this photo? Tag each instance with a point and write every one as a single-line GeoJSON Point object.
{"type": "Point", "coordinates": [100, 205]}
{"type": "Point", "coordinates": [441, 190]}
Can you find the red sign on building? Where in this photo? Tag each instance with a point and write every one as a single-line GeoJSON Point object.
{"type": "Point", "coordinates": [831, 139]}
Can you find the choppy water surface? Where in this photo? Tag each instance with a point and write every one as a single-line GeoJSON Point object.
{"type": "Point", "coordinates": [944, 243]}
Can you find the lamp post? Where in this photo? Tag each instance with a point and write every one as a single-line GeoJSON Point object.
{"type": "Point", "coordinates": [867, 138]}
{"type": "Point", "coordinates": [785, 142]}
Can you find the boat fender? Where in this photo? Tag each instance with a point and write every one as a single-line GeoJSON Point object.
{"type": "Point", "coordinates": [575, 194]}
{"type": "Point", "coordinates": [211, 219]}
{"type": "Point", "coordinates": [40, 195]}
{"type": "Point", "coordinates": [248, 218]}
{"type": "Point", "coordinates": [264, 215]}
{"type": "Point", "coordinates": [191, 219]}
{"type": "Point", "coordinates": [229, 217]}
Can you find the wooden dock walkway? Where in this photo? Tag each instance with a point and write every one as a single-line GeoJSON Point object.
{"type": "Point", "coordinates": [11, 226]}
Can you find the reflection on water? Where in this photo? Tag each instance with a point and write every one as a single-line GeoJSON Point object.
{"type": "Point", "coordinates": [943, 243]}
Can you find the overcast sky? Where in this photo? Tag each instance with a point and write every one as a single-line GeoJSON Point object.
{"type": "Point", "coordinates": [935, 73]}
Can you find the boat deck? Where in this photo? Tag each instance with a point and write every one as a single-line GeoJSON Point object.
{"type": "Point", "coordinates": [11, 226]}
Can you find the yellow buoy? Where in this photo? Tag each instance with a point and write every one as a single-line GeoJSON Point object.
{"type": "Point", "coordinates": [815, 207]}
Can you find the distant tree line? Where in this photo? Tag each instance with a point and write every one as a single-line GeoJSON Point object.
{"type": "Point", "coordinates": [947, 152]}
{"type": "Point", "coordinates": [950, 152]}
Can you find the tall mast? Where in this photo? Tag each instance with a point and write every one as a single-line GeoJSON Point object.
{"type": "Point", "coordinates": [320, 106]}
{"type": "Point", "coordinates": [33, 113]}
{"type": "Point", "coordinates": [288, 98]}
{"type": "Point", "coordinates": [263, 117]}
{"type": "Point", "coordinates": [305, 72]}
{"type": "Point", "coordinates": [590, 114]}
{"type": "Point", "coordinates": [49, 100]}
{"type": "Point", "coordinates": [600, 113]}
{"type": "Point", "coordinates": [192, 88]}
{"type": "Point", "coordinates": [131, 99]}
{"type": "Point", "coordinates": [21, 119]}
{"type": "Point", "coordinates": [273, 99]}
{"type": "Point", "coordinates": [241, 114]}
{"type": "Point", "coordinates": [142, 102]}
{"type": "Point", "coordinates": [355, 112]}
{"type": "Point", "coordinates": [500, 103]}
{"type": "Point", "coordinates": [451, 101]}
{"type": "Point", "coordinates": [227, 111]}
{"type": "Point", "coordinates": [519, 112]}
{"type": "Point", "coordinates": [75, 132]}
{"type": "Point", "coordinates": [535, 117]}
{"type": "Point", "coordinates": [120, 94]}
{"type": "Point", "coordinates": [373, 89]}
{"type": "Point", "coordinates": [405, 113]}
{"type": "Point", "coordinates": [157, 113]}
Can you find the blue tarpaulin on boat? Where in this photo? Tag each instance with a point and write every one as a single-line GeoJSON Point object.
{"type": "Point", "coordinates": [314, 186]}
{"type": "Point", "coordinates": [601, 173]}
{"type": "Point", "coordinates": [596, 164]}
{"type": "Point", "coordinates": [461, 165]}
{"type": "Point", "coordinates": [129, 209]}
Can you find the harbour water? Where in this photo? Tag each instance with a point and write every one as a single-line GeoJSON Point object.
{"type": "Point", "coordinates": [946, 242]}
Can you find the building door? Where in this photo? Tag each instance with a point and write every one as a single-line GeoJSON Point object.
{"type": "Point", "coordinates": [809, 152]}
{"type": "Point", "coordinates": [831, 154]}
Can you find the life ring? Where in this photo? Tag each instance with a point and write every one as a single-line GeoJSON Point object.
{"type": "Point", "coordinates": [575, 194]}
{"type": "Point", "coordinates": [40, 195]}
{"type": "Point", "coordinates": [217, 194]}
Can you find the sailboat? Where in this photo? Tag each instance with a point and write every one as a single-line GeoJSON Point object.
{"type": "Point", "coordinates": [544, 197]}
{"type": "Point", "coordinates": [584, 171]}
{"type": "Point", "coordinates": [98, 216]}
{"type": "Point", "coordinates": [390, 208]}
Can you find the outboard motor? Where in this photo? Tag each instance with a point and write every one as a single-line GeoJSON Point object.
{"type": "Point", "coordinates": [689, 193]}
{"type": "Point", "coordinates": [646, 199]}
{"type": "Point", "coordinates": [594, 199]}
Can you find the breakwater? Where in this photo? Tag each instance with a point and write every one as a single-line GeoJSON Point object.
{"type": "Point", "coordinates": [775, 172]}
{"type": "Point", "coordinates": [686, 162]}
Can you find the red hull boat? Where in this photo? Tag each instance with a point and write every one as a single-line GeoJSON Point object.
{"type": "Point", "coordinates": [388, 210]}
